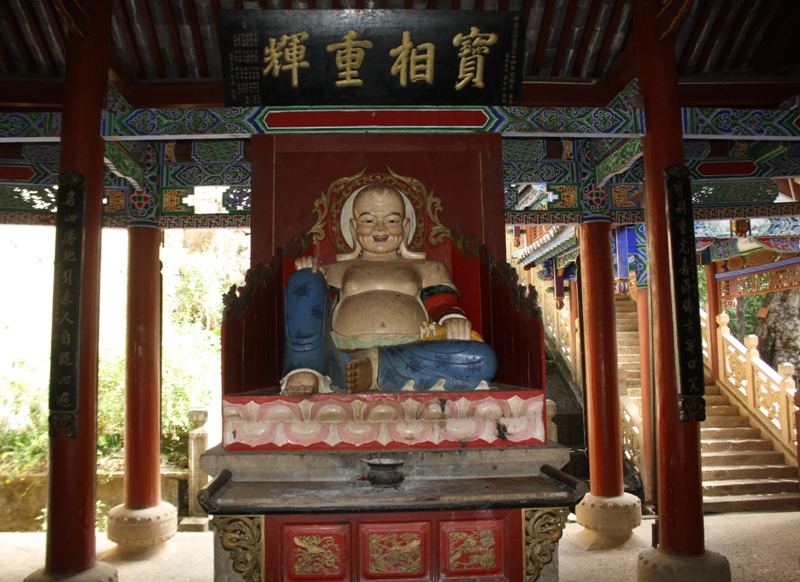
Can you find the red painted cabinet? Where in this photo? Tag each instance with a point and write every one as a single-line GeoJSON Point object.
{"type": "Point", "coordinates": [421, 547]}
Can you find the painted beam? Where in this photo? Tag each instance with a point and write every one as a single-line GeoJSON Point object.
{"type": "Point", "coordinates": [584, 122]}
{"type": "Point", "coordinates": [743, 92]}
{"type": "Point", "coordinates": [636, 215]}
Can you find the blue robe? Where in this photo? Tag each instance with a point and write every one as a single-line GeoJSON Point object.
{"type": "Point", "coordinates": [309, 344]}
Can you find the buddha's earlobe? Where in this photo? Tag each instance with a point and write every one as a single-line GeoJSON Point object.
{"type": "Point", "coordinates": [407, 253]}
{"type": "Point", "coordinates": [356, 252]}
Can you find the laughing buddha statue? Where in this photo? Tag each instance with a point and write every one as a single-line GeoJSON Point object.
{"type": "Point", "coordinates": [380, 318]}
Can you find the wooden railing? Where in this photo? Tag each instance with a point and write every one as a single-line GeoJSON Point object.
{"type": "Point", "coordinates": [767, 395]}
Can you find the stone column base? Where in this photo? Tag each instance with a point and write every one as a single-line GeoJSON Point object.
{"type": "Point", "coordinates": [657, 566]}
{"type": "Point", "coordinates": [100, 572]}
{"type": "Point", "coordinates": [608, 521]}
{"type": "Point", "coordinates": [142, 527]}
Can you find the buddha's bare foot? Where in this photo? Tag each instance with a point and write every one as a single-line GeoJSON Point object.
{"type": "Point", "coordinates": [301, 384]}
{"type": "Point", "coordinates": [358, 376]}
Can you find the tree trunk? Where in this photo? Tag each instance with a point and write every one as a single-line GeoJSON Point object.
{"type": "Point", "coordinates": [740, 330]}
{"type": "Point", "coordinates": [782, 322]}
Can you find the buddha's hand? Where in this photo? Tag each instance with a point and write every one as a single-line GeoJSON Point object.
{"type": "Point", "coordinates": [457, 328]}
{"type": "Point", "coordinates": [309, 263]}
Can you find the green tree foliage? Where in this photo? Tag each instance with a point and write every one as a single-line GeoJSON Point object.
{"type": "Point", "coordinates": [23, 419]}
{"type": "Point", "coordinates": [195, 278]}
{"type": "Point", "coordinates": [750, 304]}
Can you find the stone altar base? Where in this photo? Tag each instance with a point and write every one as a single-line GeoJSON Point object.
{"type": "Point", "coordinates": [460, 514]}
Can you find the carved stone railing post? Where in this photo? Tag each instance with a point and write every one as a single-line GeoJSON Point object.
{"type": "Point", "coordinates": [765, 393]}
{"type": "Point", "coordinates": [552, 429]}
{"type": "Point", "coordinates": [722, 329]}
{"type": "Point", "coordinates": [751, 345]}
{"type": "Point", "coordinates": [789, 391]}
{"type": "Point", "coordinates": [198, 443]}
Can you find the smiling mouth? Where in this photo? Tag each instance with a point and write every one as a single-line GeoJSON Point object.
{"type": "Point", "coordinates": [380, 239]}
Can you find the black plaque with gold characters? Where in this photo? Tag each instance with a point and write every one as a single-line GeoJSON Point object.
{"type": "Point", "coordinates": [686, 313]}
{"type": "Point", "coordinates": [68, 273]}
{"type": "Point", "coordinates": [371, 57]}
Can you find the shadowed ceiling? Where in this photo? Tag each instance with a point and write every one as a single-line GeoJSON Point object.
{"type": "Point", "coordinates": [732, 53]}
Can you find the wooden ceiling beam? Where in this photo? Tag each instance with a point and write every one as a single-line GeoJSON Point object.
{"type": "Point", "coordinates": [152, 39]}
{"type": "Point", "coordinates": [588, 31]}
{"type": "Point", "coordinates": [119, 73]}
{"type": "Point", "coordinates": [19, 38]}
{"type": "Point", "coordinates": [672, 15]}
{"type": "Point", "coordinates": [21, 94]}
{"type": "Point", "coordinates": [608, 39]}
{"type": "Point", "coordinates": [200, 50]}
{"type": "Point", "coordinates": [55, 24]}
{"type": "Point", "coordinates": [39, 38]}
{"type": "Point", "coordinates": [130, 41]}
{"type": "Point", "coordinates": [164, 94]}
{"type": "Point", "coordinates": [564, 93]}
{"type": "Point", "coordinates": [779, 48]}
{"type": "Point", "coordinates": [755, 93]}
{"type": "Point", "coordinates": [624, 69]}
{"type": "Point", "coordinates": [174, 36]}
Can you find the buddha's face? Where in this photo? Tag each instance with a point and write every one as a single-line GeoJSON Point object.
{"type": "Point", "coordinates": [380, 220]}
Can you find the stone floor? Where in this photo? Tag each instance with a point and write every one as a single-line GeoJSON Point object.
{"type": "Point", "coordinates": [759, 546]}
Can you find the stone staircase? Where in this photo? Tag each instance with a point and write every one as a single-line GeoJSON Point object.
{"type": "Point", "coordinates": [742, 471]}
{"type": "Point", "coordinates": [628, 360]}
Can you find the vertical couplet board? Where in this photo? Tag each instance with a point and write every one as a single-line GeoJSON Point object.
{"type": "Point", "coordinates": [65, 339]}
{"type": "Point", "coordinates": [686, 310]}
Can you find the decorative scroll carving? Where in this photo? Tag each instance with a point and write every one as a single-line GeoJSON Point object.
{"type": "Point", "coordinates": [542, 530]}
{"type": "Point", "coordinates": [391, 553]}
{"type": "Point", "coordinates": [241, 537]}
{"type": "Point", "coordinates": [328, 208]}
{"type": "Point", "coordinates": [526, 299]}
{"type": "Point", "coordinates": [317, 555]}
{"type": "Point", "coordinates": [298, 245]}
{"type": "Point", "coordinates": [238, 299]}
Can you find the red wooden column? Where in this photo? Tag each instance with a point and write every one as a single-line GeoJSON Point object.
{"type": "Point", "coordinates": [600, 335]}
{"type": "Point", "coordinates": [262, 204]}
{"type": "Point", "coordinates": [643, 313]}
{"type": "Point", "coordinates": [680, 500]}
{"type": "Point", "coordinates": [607, 512]}
{"type": "Point", "coordinates": [713, 311]}
{"type": "Point", "coordinates": [71, 486]}
{"type": "Point", "coordinates": [143, 519]}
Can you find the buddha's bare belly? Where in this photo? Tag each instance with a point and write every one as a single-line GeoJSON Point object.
{"type": "Point", "coordinates": [376, 313]}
